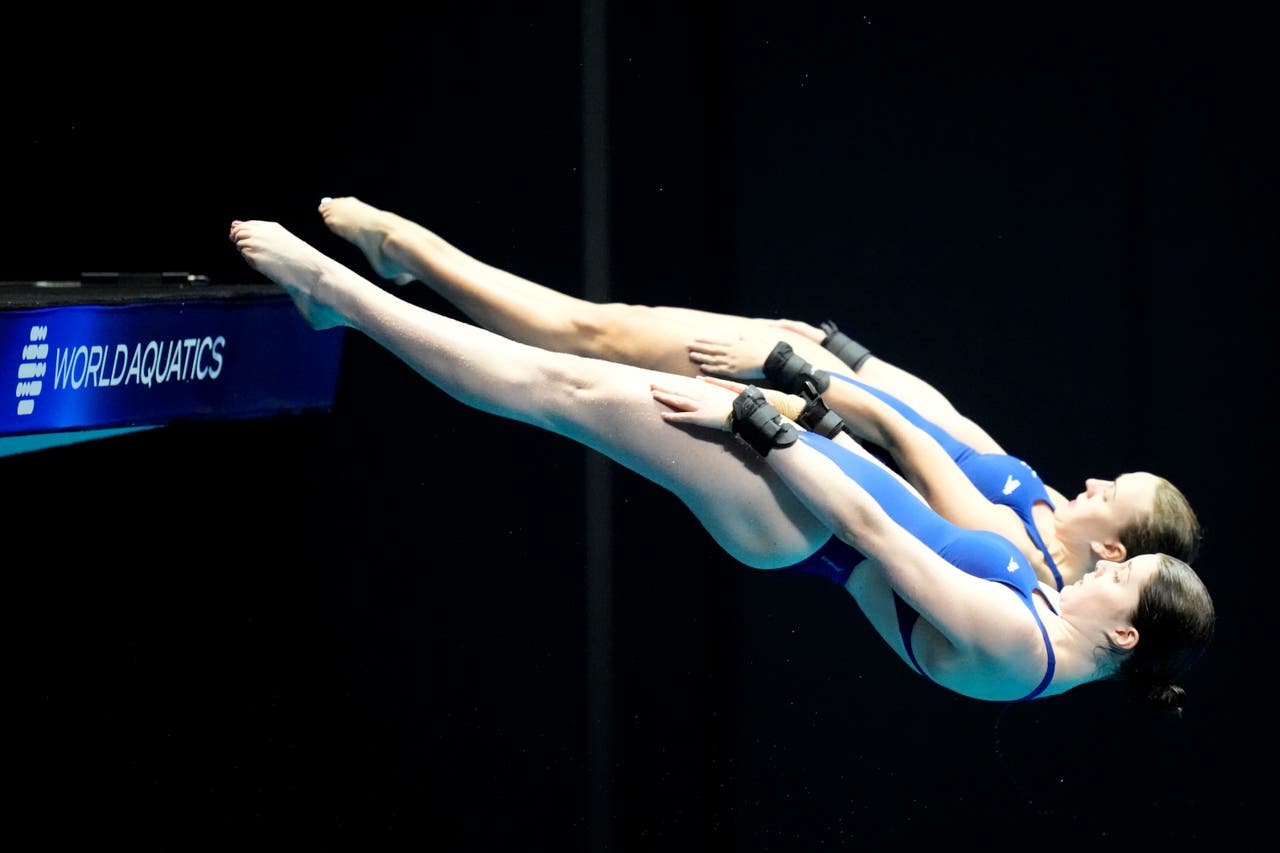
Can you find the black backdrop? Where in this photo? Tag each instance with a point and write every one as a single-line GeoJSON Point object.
{"type": "Point", "coordinates": [369, 630]}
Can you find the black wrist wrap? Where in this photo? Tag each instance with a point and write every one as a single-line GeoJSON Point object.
{"type": "Point", "coordinates": [759, 424]}
{"type": "Point", "coordinates": [791, 373]}
{"type": "Point", "coordinates": [816, 417]}
{"type": "Point", "coordinates": [844, 347]}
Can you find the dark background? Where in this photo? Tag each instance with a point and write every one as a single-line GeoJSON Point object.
{"type": "Point", "coordinates": [369, 630]}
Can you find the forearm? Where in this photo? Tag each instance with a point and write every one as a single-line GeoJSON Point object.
{"type": "Point", "coordinates": [868, 507]}
{"type": "Point", "coordinates": [867, 418]}
{"type": "Point", "coordinates": [872, 510]}
{"type": "Point", "coordinates": [836, 481]}
{"type": "Point", "coordinates": [904, 386]}
{"type": "Point", "coordinates": [838, 500]}
{"type": "Point", "coordinates": [874, 421]}
{"type": "Point", "coordinates": [928, 400]}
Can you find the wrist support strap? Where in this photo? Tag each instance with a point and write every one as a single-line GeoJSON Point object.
{"type": "Point", "coordinates": [817, 417]}
{"type": "Point", "coordinates": [844, 347]}
{"type": "Point", "coordinates": [759, 424]}
{"type": "Point", "coordinates": [791, 373]}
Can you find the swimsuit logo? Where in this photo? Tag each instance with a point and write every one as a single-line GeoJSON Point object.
{"type": "Point", "coordinates": [31, 370]}
{"type": "Point", "coordinates": [1013, 565]}
{"type": "Point", "coordinates": [1011, 485]}
{"type": "Point", "coordinates": [833, 564]}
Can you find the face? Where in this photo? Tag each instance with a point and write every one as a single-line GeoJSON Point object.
{"type": "Point", "coordinates": [1110, 592]}
{"type": "Point", "coordinates": [1106, 507]}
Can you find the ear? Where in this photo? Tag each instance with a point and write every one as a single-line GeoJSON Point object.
{"type": "Point", "coordinates": [1109, 550]}
{"type": "Point", "coordinates": [1125, 637]}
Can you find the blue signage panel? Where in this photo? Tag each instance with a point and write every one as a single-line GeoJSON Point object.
{"type": "Point", "coordinates": [98, 366]}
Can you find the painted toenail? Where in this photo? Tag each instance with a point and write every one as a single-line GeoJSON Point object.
{"type": "Point", "coordinates": [326, 200]}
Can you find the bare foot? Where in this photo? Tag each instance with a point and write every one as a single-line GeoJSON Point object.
{"type": "Point", "coordinates": [369, 229]}
{"type": "Point", "coordinates": [293, 264]}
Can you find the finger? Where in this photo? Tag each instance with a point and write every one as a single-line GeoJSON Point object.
{"type": "Point", "coordinates": [670, 399]}
{"type": "Point", "coordinates": [723, 383]}
{"type": "Point", "coordinates": [713, 366]}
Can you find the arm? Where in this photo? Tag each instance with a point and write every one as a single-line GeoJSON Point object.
{"type": "Point", "coordinates": [743, 356]}
{"type": "Point", "coordinates": [980, 621]}
{"type": "Point", "coordinates": [901, 384]}
{"type": "Point", "coordinates": [929, 401]}
{"type": "Point", "coordinates": [738, 358]}
{"type": "Point", "coordinates": [828, 348]}
{"type": "Point", "coordinates": [923, 461]}
{"type": "Point", "coordinates": [927, 456]}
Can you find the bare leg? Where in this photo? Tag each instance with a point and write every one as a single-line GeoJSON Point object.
{"type": "Point", "coordinates": [516, 308]}
{"type": "Point", "coordinates": [606, 406]}
{"type": "Point", "coordinates": [655, 337]}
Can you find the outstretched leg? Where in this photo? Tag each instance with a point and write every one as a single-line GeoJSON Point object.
{"type": "Point", "coordinates": [655, 337]}
{"type": "Point", "coordinates": [606, 406]}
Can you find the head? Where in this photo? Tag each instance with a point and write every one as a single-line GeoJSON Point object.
{"type": "Point", "coordinates": [1167, 630]}
{"type": "Point", "coordinates": [1136, 513]}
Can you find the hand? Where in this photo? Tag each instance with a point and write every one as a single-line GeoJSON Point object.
{"type": "Point", "coordinates": [811, 332]}
{"type": "Point", "coordinates": [788, 405]}
{"type": "Point", "coordinates": [741, 358]}
{"type": "Point", "coordinates": [704, 403]}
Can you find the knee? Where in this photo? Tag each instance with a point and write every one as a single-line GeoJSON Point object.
{"type": "Point", "coordinates": [572, 381]}
{"type": "Point", "coordinates": [600, 328]}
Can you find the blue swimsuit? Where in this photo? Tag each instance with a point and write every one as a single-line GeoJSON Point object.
{"type": "Point", "coordinates": [979, 553]}
{"type": "Point", "coordinates": [1002, 479]}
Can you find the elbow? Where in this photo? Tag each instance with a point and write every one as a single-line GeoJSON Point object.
{"type": "Point", "coordinates": [857, 530]}
{"type": "Point", "coordinates": [871, 530]}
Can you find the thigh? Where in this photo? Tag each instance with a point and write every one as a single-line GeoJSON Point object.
{"type": "Point", "coordinates": [869, 586]}
{"type": "Point", "coordinates": [741, 502]}
{"type": "Point", "coordinates": [658, 337]}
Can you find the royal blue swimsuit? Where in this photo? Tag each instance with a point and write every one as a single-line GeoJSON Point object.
{"type": "Point", "coordinates": [1002, 479]}
{"type": "Point", "coordinates": [980, 553]}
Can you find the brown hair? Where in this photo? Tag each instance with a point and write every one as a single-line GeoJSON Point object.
{"type": "Point", "coordinates": [1175, 620]}
{"type": "Point", "coordinates": [1171, 528]}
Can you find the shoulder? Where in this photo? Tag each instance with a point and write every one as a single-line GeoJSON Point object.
{"type": "Point", "coordinates": [1003, 666]}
